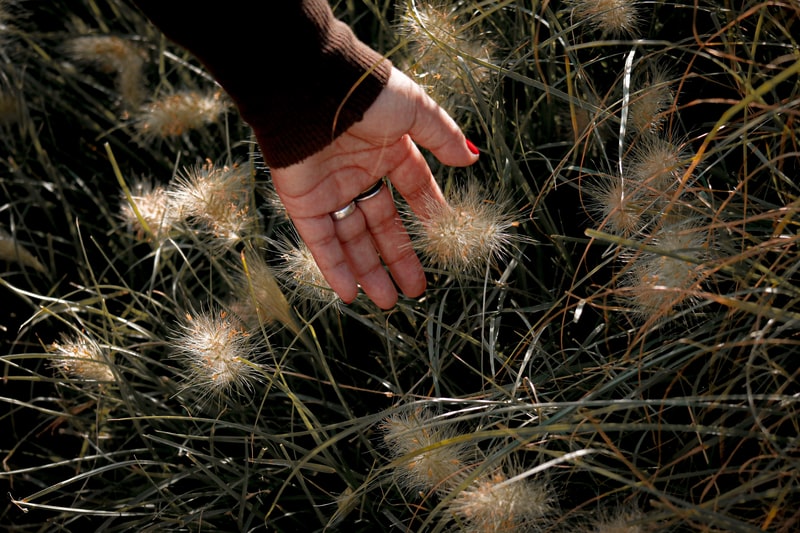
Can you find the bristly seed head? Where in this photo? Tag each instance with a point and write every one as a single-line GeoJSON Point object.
{"type": "Point", "coordinates": [217, 354]}
{"type": "Point", "coordinates": [82, 358]}
{"type": "Point", "coordinates": [175, 114]}
{"type": "Point", "coordinates": [428, 461]}
{"type": "Point", "coordinates": [609, 17]}
{"type": "Point", "coordinates": [299, 271]}
{"type": "Point", "coordinates": [469, 233]}
{"type": "Point", "coordinates": [218, 198]}
{"type": "Point", "coordinates": [657, 283]}
{"type": "Point", "coordinates": [497, 503]}
{"type": "Point", "coordinates": [157, 215]}
{"type": "Point", "coordinates": [441, 46]}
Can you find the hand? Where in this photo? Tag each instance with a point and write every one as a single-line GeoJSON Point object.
{"type": "Point", "coordinates": [352, 251]}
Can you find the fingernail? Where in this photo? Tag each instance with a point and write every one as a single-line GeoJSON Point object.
{"type": "Point", "coordinates": [472, 148]}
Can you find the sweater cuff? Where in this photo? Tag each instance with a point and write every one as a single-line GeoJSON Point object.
{"type": "Point", "coordinates": [339, 89]}
{"type": "Point", "coordinates": [298, 76]}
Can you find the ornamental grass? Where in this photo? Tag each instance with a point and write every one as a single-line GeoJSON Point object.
{"type": "Point", "coordinates": [609, 341]}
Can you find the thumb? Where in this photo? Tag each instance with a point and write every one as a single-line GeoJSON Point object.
{"type": "Point", "coordinates": [433, 128]}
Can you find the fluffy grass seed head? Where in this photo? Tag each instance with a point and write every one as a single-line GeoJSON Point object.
{"type": "Point", "coordinates": [113, 55]}
{"type": "Point", "coordinates": [657, 283]}
{"type": "Point", "coordinates": [81, 358]}
{"type": "Point", "coordinates": [626, 204]}
{"type": "Point", "coordinates": [611, 18]}
{"type": "Point", "coordinates": [217, 199]}
{"type": "Point", "coordinates": [652, 97]}
{"type": "Point", "coordinates": [620, 205]}
{"type": "Point", "coordinates": [657, 164]}
{"type": "Point", "coordinates": [217, 354]}
{"type": "Point", "coordinates": [426, 461]}
{"type": "Point", "coordinates": [156, 219]}
{"type": "Point", "coordinates": [496, 503]}
{"type": "Point", "coordinates": [274, 204]}
{"type": "Point", "coordinates": [299, 271]}
{"type": "Point", "coordinates": [175, 114]}
{"type": "Point", "coordinates": [471, 231]}
{"type": "Point", "coordinates": [436, 38]}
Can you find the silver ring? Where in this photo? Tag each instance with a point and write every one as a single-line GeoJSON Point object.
{"type": "Point", "coordinates": [346, 211]}
{"type": "Point", "coordinates": [371, 192]}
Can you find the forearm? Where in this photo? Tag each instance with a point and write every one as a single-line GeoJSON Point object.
{"type": "Point", "coordinates": [298, 76]}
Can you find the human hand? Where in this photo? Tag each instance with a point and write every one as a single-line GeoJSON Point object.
{"type": "Point", "coordinates": [353, 250]}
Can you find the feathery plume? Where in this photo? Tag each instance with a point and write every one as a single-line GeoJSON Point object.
{"type": "Point", "coordinates": [217, 354]}
{"type": "Point", "coordinates": [113, 55]}
{"type": "Point", "coordinates": [426, 460]}
{"type": "Point", "coordinates": [609, 17]}
{"type": "Point", "coordinates": [467, 234]}
{"type": "Point", "coordinates": [175, 114]}
{"type": "Point", "coordinates": [217, 198]}
{"type": "Point", "coordinates": [496, 503]}
{"type": "Point", "coordinates": [156, 218]}
{"type": "Point", "coordinates": [82, 358]}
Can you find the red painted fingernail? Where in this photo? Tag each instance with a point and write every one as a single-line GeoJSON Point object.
{"type": "Point", "coordinates": [472, 148]}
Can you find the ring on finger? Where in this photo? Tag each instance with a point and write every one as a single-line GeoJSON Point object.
{"type": "Point", "coordinates": [346, 211]}
{"type": "Point", "coordinates": [371, 192]}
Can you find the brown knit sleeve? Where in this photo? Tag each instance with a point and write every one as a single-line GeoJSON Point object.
{"type": "Point", "coordinates": [298, 76]}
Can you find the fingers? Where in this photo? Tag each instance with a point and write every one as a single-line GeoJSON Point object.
{"type": "Point", "coordinates": [433, 128]}
{"type": "Point", "coordinates": [357, 249]}
{"type": "Point", "coordinates": [393, 243]}
{"type": "Point", "coordinates": [319, 235]}
{"type": "Point", "coordinates": [364, 261]}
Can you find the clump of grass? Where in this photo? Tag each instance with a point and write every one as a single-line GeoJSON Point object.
{"type": "Point", "coordinates": [633, 368]}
